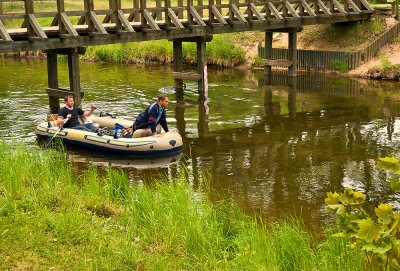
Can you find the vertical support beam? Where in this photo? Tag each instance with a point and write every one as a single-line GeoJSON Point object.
{"type": "Point", "coordinates": [136, 5]}
{"type": "Point", "coordinates": [167, 18]}
{"type": "Point", "coordinates": [189, 15]}
{"type": "Point", "coordinates": [202, 69]}
{"type": "Point", "coordinates": [74, 75]}
{"type": "Point", "coordinates": [331, 6]}
{"type": "Point", "coordinates": [89, 6]}
{"type": "Point", "coordinates": [29, 9]}
{"type": "Point", "coordinates": [210, 14]}
{"type": "Point", "coordinates": [316, 7]}
{"type": "Point", "coordinates": [158, 13]}
{"type": "Point", "coordinates": [142, 18]}
{"type": "Point", "coordinates": [292, 53]}
{"type": "Point", "coordinates": [249, 11]}
{"type": "Point", "coordinates": [115, 5]}
{"type": "Point", "coordinates": [346, 6]}
{"type": "Point", "coordinates": [284, 11]}
{"type": "Point", "coordinates": [200, 10]}
{"type": "Point", "coordinates": [218, 3]}
{"type": "Point", "coordinates": [52, 81]}
{"type": "Point", "coordinates": [178, 65]}
{"type": "Point", "coordinates": [60, 9]}
{"type": "Point", "coordinates": [230, 12]}
{"type": "Point", "coordinates": [268, 51]}
{"type": "Point", "coordinates": [180, 11]}
{"type": "Point", "coordinates": [301, 9]}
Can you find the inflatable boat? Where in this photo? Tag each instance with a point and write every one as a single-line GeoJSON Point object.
{"type": "Point", "coordinates": [141, 143]}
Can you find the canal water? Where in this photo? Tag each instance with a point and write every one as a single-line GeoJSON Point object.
{"type": "Point", "coordinates": [275, 147]}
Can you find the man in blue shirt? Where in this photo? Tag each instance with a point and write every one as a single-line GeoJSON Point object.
{"type": "Point", "coordinates": [153, 115]}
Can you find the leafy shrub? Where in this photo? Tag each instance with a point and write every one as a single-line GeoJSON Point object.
{"type": "Point", "coordinates": [339, 66]}
{"type": "Point", "coordinates": [378, 236]}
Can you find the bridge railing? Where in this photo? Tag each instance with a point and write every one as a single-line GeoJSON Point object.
{"type": "Point", "coordinates": [37, 20]}
{"type": "Point", "coordinates": [326, 60]}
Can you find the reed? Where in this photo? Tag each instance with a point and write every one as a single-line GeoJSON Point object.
{"type": "Point", "coordinates": [52, 218]}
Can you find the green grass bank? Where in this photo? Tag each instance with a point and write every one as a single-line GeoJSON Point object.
{"type": "Point", "coordinates": [52, 218]}
{"type": "Point", "coordinates": [221, 51]}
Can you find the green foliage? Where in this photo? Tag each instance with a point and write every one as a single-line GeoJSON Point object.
{"type": "Point", "coordinates": [258, 61]}
{"type": "Point", "coordinates": [98, 220]}
{"type": "Point", "coordinates": [339, 66]}
{"type": "Point", "coordinates": [385, 63]}
{"type": "Point", "coordinates": [377, 235]}
{"type": "Point", "coordinates": [334, 254]}
{"type": "Point", "coordinates": [221, 51]}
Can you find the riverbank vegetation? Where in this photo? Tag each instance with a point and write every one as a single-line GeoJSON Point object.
{"type": "Point", "coordinates": [222, 52]}
{"type": "Point", "coordinates": [54, 218]}
{"type": "Point", "coordinates": [386, 70]}
{"type": "Point", "coordinates": [378, 234]}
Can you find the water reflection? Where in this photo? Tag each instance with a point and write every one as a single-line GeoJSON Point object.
{"type": "Point", "coordinates": [276, 148]}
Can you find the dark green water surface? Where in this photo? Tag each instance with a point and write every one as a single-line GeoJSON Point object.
{"type": "Point", "coordinates": [275, 149]}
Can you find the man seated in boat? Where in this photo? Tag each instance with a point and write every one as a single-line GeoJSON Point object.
{"type": "Point", "coordinates": [153, 115]}
{"type": "Point", "coordinates": [68, 116]}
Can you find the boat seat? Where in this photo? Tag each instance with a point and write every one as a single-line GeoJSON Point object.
{"type": "Point", "coordinates": [145, 132]}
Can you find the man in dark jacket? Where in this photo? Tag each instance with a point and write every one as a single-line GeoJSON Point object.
{"type": "Point", "coordinates": [153, 115]}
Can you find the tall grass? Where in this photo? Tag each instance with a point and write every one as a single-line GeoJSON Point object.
{"type": "Point", "coordinates": [221, 51]}
{"type": "Point", "coordinates": [51, 218]}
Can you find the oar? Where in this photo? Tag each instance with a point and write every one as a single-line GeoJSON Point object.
{"type": "Point", "coordinates": [58, 130]}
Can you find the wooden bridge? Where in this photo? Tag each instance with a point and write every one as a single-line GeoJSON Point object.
{"type": "Point", "coordinates": [56, 27]}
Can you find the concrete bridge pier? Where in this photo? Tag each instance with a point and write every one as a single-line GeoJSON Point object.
{"type": "Point", "coordinates": [201, 75]}
{"type": "Point", "coordinates": [53, 90]}
{"type": "Point", "coordinates": [291, 61]}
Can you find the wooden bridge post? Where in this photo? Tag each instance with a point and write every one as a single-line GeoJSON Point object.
{"type": "Point", "coordinates": [202, 69]}
{"type": "Point", "coordinates": [136, 5]}
{"type": "Point", "coordinates": [52, 81]}
{"type": "Point", "coordinates": [89, 6]}
{"type": "Point", "coordinates": [142, 16]}
{"type": "Point", "coordinates": [74, 75]}
{"type": "Point", "coordinates": [346, 5]}
{"type": "Point", "coordinates": [189, 14]}
{"type": "Point", "coordinates": [210, 14]}
{"type": "Point", "coordinates": [180, 10]}
{"type": "Point", "coordinates": [316, 7]}
{"type": "Point", "coordinates": [200, 11]}
{"type": "Point", "coordinates": [268, 51]}
{"type": "Point", "coordinates": [178, 65]}
{"type": "Point", "coordinates": [115, 5]}
{"type": "Point", "coordinates": [292, 52]}
{"type": "Point", "coordinates": [159, 13]}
